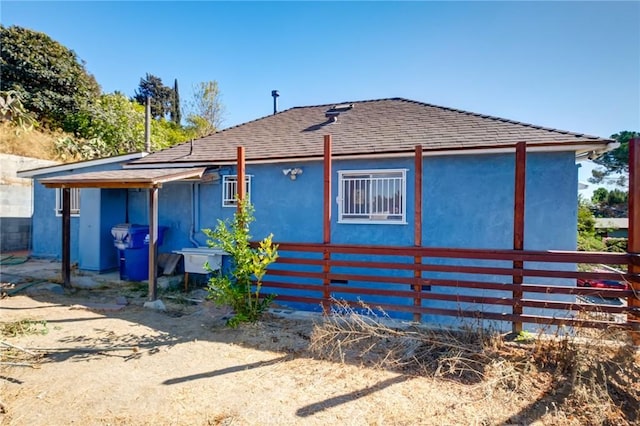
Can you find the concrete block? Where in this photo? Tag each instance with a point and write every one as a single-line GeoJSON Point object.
{"type": "Point", "coordinates": [156, 305]}
{"type": "Point", "coordinates": [85, 282]}
{"type": "Point", "coordinates": [169, 282]}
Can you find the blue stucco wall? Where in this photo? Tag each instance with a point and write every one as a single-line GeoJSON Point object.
{"type": "Point", "coordinates": [47, 227]}
{"type": "Point", "coordinates": [467, 203]}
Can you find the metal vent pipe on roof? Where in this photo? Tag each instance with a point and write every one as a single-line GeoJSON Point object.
{"type": "Point", "coordinates": [147, 125]}
{"type": "Point", "coordinates": [275, 95]}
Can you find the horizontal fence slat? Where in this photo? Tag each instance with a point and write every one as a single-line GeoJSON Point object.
{"type": "Point", "coordinates": [533, 288]}
{"type": "Point", "coordinates": [584, 307]}
{"type": "Point", "coordinates": [299, 299]}
{"type": "Point", "coordinates": [558, 256]}
{"type": "Point", "coordinates": [348, 277]}
{"type": "Point", "coordinates": [295, 286]}
{"type": "Point", "coordinates": [464, 269]}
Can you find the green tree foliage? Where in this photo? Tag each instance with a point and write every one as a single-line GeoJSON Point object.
{"type": "Point", "coordinates": [176, 115]}
{"type": "Point", "coordinates": [161, 96]}
{"type": "Point", "coordinates": [114, 120]}
{"type": "Point", "coordinates": [206, 108]}
{"type": "Point", "coordinates": [114, 125]}
{"type": "Point", "coordinates": [612, 203]}
{"type": "Point", "coordinates": [615, 162]}
{"type": "Point", "coordinates": [48, 77]}
{"type": "Point", "coordinates": [587, 239]}
{"type": "Point", "coordinates": [241, 289]}
{"type": "Point", "coordinates": [167, 133]}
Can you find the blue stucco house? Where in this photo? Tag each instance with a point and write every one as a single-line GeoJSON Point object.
{"type": "Point", "coordinates": [467, 179]}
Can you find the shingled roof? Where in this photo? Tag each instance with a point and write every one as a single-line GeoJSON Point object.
{"type": "Point", "coordinates": [383, 126]}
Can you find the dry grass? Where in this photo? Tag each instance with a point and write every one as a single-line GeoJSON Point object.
{"type": "Point", "coordinates": [28, 143]}
{"type": "Point", "coordinates": [22, 327]}
{"type": "Point", "coordinates": [14, 355]}
{"type": "Point", "coordinates": [584, 381]}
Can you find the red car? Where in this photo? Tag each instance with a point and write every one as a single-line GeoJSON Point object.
{"type": "Point", "coordinates": [611, 284]}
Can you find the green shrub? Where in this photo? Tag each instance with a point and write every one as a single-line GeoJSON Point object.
{"type": "Point", "coordinates": [241, 289]}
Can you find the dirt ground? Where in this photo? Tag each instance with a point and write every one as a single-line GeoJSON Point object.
{"type": "Point", "coordinates": [100, 364]}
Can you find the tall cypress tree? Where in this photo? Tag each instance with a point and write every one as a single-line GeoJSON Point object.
{"type": "Point", "coordinates": [161, 96]}
{"type": "Point", "coordinates": [175, 111]}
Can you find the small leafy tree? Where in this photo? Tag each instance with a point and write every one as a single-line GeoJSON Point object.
{"type": "Point", "coordinates": [241, 289]}
{"type": "Point", "coordinates": [206, 110]}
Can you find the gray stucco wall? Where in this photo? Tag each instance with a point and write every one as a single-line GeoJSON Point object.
{"type": "Point", "coordinates": [16, 201]}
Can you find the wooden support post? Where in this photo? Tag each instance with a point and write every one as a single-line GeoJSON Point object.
{"type": "Point", "coordinates": [633, 247]}
{"type": "Point", "coordinates": [326, 226]}
{"type": "Point", "coordinates": [240, 176]}
{"type": "Point", "coordinates": [66, 237]}
{"type": "Point", "coordinates": [518, 231]}
{"type": "Point", "coordinates": [153, 243]}
{"type": "Point", "coordinates": [417, 231]}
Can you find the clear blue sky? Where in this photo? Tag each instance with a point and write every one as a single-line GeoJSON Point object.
{"type": "Point", "coordinates": [569, 65]}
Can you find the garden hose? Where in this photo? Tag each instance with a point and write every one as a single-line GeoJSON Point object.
{"type": "Point", "coordinates": [13, 260]}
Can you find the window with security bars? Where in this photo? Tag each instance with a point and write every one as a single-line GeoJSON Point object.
{"type": "Point", "coordinates": [230, 190]}
{"type": "Point", "coordinates": [372, 196]}
{"type": "Point", "coordinates": [74, 193]}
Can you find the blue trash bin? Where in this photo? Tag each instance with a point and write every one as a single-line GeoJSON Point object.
{"type": "Point", "coordinates": [132, 242]}
{"type": "Point", "coordinates": [136, 264]}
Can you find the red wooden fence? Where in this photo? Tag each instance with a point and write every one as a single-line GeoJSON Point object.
{"type": "Point", "coordinates": [310, 276]}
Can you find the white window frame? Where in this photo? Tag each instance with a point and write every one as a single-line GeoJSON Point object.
{"type": "Point", "coordinates": [372, 181]}
{"type": "Point", "coordinates": [230, 182]}
{"type": "Point", "coordinates": [75, 201]}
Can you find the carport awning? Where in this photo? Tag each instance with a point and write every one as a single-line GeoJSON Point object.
{"type": "Point", "coordinates": [126, 178]}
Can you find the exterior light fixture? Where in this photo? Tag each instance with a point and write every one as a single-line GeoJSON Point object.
{"type": "Point", "coordinates": [292, 173]}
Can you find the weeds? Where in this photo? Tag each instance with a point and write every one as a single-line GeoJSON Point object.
{"type": "Point", "coordinates": [14, 355]}
{"type": "Point", "coordinates": [23, 327]}
{"type": "Point", "coordinates": [590, 381]}
{"type": "Point", "coordinates": [137, 289]}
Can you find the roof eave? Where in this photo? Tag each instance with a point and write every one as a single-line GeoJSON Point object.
{"type": "Point", "coordinates": [581, 148]}
{"type": "Point", "coordinates": [118, 182]}
{"type": "Point", "coordinates": [80, 165]}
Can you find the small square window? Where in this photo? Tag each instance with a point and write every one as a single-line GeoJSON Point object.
{"type": "Point", "coordinates": [230, 190]}
{"type": "Point", "coordinates": [75, 201]}
{"type": "Point", "coordinates": [372, 196]}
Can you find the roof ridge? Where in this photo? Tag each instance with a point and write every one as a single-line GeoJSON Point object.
{"type": "Point", "coordinates": [292, 108]}
{"type": "Point", "coordinates": [502, 119]}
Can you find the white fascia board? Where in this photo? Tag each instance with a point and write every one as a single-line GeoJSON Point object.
{"type": "Point", "coordinates": [171, 165]}
{"type": "Point", "coordinates": [580, 150]}
{"type": "Point", "coordinates": [80, 165]}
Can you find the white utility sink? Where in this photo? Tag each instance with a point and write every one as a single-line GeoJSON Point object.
{"type": "Point", "coordinates": [196, 257]}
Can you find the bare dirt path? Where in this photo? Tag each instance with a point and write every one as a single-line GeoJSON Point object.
{"type": "Point", "coordinates": [186, 368]}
